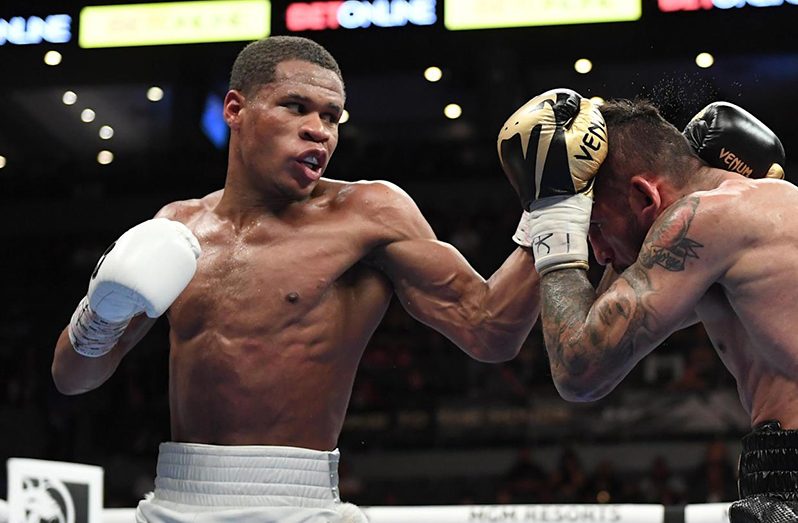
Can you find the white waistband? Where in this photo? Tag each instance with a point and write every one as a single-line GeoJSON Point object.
{"type": "Point", "coordinates": [251, 475]}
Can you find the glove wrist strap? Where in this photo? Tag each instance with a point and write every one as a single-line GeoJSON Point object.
{"type": "Point", "coordinates": [91, 335]}
{"type": "Point", "coordinates": [558, 231]}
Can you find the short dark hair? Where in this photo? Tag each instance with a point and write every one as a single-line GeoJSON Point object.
{"type": "Point", "coordinates": [256, 64]}
{"type": "Point", "coordinates": [640, 139]}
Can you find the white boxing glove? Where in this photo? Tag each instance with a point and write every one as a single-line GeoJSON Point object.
{"type": "Point", "coordinates": [145, 270]}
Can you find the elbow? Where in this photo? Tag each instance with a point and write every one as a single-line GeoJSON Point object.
{"type": "Point", "coordinates": [63, 383]}
{"type": "Point", "coordinates": [500, 353]}
{"type": "Point", "coordinates": [68, 389]}
{"type": "Point", "coordinates": [492, 356]}
{"type": "Point", "coordinates": [491, 351]}
{"type": "Point", "coordinates": [63, 386]}
{"type": "Point", "coordinates": [492, 345]}
{"type": "Point", "coordinates": [578, 389]}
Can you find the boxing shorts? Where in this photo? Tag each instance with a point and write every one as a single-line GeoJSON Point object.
{"type": "Point", "coordinates": [245, 484]}
{"type": "Point", "coordinates": [768, 479]}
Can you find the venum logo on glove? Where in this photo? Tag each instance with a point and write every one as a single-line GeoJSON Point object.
{"type": "Point", "coordinates": [552, 145]}
{"type": "Point", "coordinates": [550, 149]}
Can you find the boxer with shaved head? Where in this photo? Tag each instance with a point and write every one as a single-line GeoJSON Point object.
{"type": "Point", "coordinates": [273, 287]}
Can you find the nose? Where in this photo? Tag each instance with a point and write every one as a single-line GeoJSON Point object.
{"type": "Point", "coordinates": [313, 128]}
{"type": "Point", "coordinates": [601, 251]}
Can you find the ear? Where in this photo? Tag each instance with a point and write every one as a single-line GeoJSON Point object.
{"type": "Point", "coordinates": [645, 199]}
{"type": "Point", "coordinates": [233, 103]}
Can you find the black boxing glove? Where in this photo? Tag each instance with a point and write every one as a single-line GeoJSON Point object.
{"type": "Point", "coordinates": [728, 137]}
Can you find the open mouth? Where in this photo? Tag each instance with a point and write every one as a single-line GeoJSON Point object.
{"type": "Point", "coordinates": [311, 162]}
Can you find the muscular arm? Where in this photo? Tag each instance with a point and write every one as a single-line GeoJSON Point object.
{"type": "Point", "coordinates": [76, 374]}
{"type": "Point", "coordinates": [610, 276]}
{"type": "Point", "coordinates": [593, 340]}
{"type": "Point", "coordinates": [488, 319]}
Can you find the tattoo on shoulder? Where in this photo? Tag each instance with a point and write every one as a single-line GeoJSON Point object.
{"type": "Point", "coordinates": [668, 245]}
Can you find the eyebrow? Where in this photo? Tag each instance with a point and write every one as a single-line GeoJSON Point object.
{"type": "Point", "coordinates": [302, 98]}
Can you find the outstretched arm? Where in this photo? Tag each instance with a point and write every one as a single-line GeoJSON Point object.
{"type": "Point", "coordinates": [488, 319]}
{"type": "Point", "coordinates": [594, 341]}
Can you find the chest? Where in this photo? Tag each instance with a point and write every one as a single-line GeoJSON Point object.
{"type": "Point", "coordinates": [285, 275]}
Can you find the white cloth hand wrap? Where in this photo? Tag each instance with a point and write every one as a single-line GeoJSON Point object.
{"type": "Point", "coordinates": [558, 228]}
{"type": "Point", "coordinates": [92, 336]}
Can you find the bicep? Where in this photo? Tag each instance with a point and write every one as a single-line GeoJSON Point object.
{"type": "Point", "coordinates": [433, 281]}
{"type": "Point", "coordinates": [658, 294]}
{"type": "Point", "coordinates": [431, 278]}
{"type": "Point", "coordinates": [639, 310]}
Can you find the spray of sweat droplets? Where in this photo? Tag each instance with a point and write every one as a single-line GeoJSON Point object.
{"type": "Point", "coordinates": [679, 96]}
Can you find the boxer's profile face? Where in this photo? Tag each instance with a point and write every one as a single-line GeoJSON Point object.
{"type": "Point", "coordinates": [616, 230]}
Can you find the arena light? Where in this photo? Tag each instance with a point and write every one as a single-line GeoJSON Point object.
{"type": "Point", "coordinates": [69, 98]}
{"type": "Point", "coordinates": [52, 58]}
{"type": "Point", "coordinates": [479, 14]}
{"type": "Point", "coordinates": [2, 161]}
{"type": "Point", "coordinates": [174, 23]}
{"type": "Point", "coordinates": [433, 74]}
{"type": "Point", "coordinates": [154, 94]}
{"type": "Point", "coordinates": [106, 132]}
{"type": "Point", "coordinates": [344, 117]}
{"type": "Point", "coordinates": [704, 60]}
{"type": "Point", "coordinates": [583, 66]}
{"type": "Point", "coordinates": [87, 115]}
{"type": "Point", "coordinates": [105, 157]}
{"type": "Point", "coordinates": [453, 111]}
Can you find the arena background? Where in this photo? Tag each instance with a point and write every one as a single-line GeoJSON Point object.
{"type": "Point", "coordinates": [426, 424]}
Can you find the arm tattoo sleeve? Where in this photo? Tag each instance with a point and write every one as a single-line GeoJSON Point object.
{"type": "Point", "coordinates": [580, 336]}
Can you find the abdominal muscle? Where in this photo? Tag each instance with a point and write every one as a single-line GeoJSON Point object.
{"type": "Point", "coordinates": [259, 370]}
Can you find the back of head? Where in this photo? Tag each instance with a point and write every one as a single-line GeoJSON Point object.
{"type": "Point", "coordinates": [640, 140]}
{"type": "Point", "coordinates": [257, 62]}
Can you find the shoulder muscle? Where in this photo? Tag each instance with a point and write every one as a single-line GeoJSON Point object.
{"type": "Point", "coordinates": [389, 207]}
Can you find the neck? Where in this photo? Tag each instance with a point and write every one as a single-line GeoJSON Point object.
{"type": "Point", "coordinates": [241, 199]}
{"type": "Point", "coordinates": [703, 179]}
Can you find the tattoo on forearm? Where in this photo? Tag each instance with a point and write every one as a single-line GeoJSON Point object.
{"type": "Point", "coordinates": [576, 343]}
{"type": "Point", "coordinates": [566, 293]}
{"type": "Point", "coordinates": [668, 245]}
{"type": "Point", "coordinates": [579, 337]}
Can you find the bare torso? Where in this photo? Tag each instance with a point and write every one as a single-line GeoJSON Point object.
{"type": "Point", "coordinates": [295, 273]}
{"type": "Point", "coordinates": [266, 339]}
{"type": "Point", "coordinates": [749, 312]}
